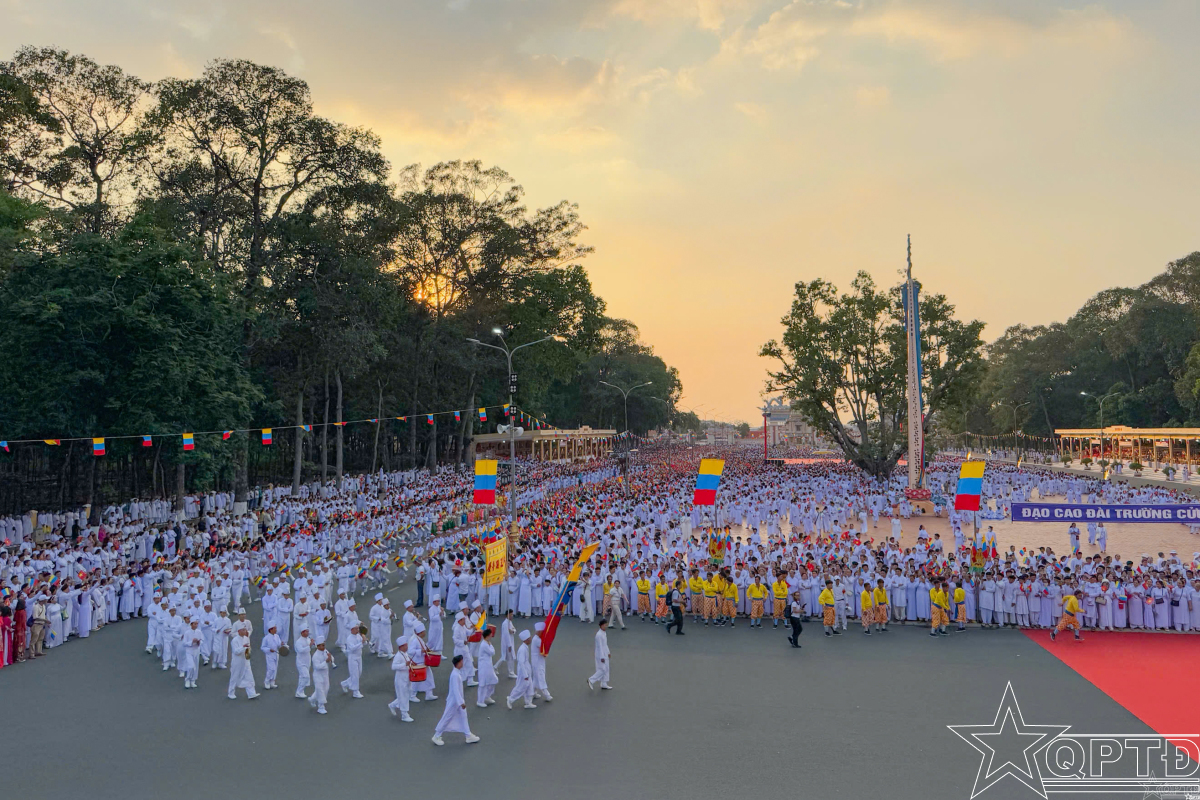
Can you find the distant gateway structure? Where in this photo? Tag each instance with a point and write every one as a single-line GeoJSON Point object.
{"type": "Point", "coordinates": [545, 445]}
{"type": "Point", "coordinates": [1169, 445]}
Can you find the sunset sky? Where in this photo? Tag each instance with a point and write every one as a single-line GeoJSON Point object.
{"type": "Point", "coordinates": [721, 150]}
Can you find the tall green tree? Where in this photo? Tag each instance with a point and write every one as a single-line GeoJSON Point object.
{"type": "Point", "coordinates": [842, 363]}
{"type": "Point", "coordinates": [77, 149]}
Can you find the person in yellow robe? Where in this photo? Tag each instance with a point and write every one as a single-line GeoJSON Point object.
{"type": "Point", "coordinates": [828, 618]}
{"type": "Point", "coordinates": [939, 609]}
{"type": "Point", "coordinates": [757, 592]}
{"type": "Point", "coordinates": [779, 595]}
{"type": "Point", "coordinates": [729, 602]}
{"type": "Point", "coordinates": [710, 598]}
{"type": "Point", "coordinates": [1070, 616]}
{"type": "Point", "coordinates": [866, 599]}
{"type": "Point", "coordinates": [643, 595]}
{"type": "Point", "coordinates": [661, 590]}
{"type": "Point", "coordinates": [881, 605]}
{"type": "Point", "coordinates": [960, 603]}
{"type": "Point", "coordinates": [718, 598]}
{"type": "Point", "coordinates": [696, 592]}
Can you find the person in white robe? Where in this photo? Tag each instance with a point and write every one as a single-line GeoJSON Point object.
{"type": "Point", "coordinates": [434, 636]}
{"type": "Point", "coordinates": [488, 679]}
{"type": "Point", "coordinates": [55, 634]}
{"type": "Point", "coordinates": [302, 651]}
{"type": "Point", "coordinates": [381, 627]}
{"type": "Point", "coordinates": [192, 639]}
{"type": "Point", "coordinates": [171, 628]}
{"type": "Point", "coordinates": [416, 651]}
{"type": "Point", "coordinates": [283, 614]}
{"type": "Point", "coordinates": [353, 648]}
{"type": "Point", "coordinates": [524, 685]}
{"type": "Point", "coordinates": [454, 718]}
{"type": "Point", "coordinates": [222, 628]}
{"type": "Point", "coordinates": [240, 674]}
{"type": "Point", "coordinates": [410, 619]}
{"type": "Point", "coordinates": [321, 661]}
{"type": "Point", "coordinates": [401, 681]}
{"type": "Point", "coordinates": [459, 634]}
{"type": "Point", "coordinates": [538, 663]}
{"type": "Point", "coordinates": [508, 638]}
{"type": "Point", "coordinates": [270, 647]}
{"type": "Point", "coordinates": [603, 658]}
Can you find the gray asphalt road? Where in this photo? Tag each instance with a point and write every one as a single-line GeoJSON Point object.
{"type": "Point", "coordinates": [715, 713]}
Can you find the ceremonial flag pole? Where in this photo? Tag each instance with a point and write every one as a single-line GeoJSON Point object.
{"type": "Point", "coordinates": [916, 427]}
{"type": "Point", "coordinates": [564, 596]}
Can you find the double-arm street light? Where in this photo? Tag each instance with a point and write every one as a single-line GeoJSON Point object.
{"type": "Point", "coordinates": [1014, 409]}
{"type": "Point", "coordinates": [512, 388]}
{"type": "Point", "coordinates": [1102, 399]}
{"type": "Point", "coordinates": [625, 394]}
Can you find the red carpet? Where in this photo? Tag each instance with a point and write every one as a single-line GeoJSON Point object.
{"type": "Point", "coordinates": [1153, 675]}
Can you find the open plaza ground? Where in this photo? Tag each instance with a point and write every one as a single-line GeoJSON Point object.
{"type": "Point", "coordinates": [715, 713]}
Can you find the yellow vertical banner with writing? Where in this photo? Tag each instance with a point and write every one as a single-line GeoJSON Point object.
{"type": "Point", "coordinates": [497, 562]}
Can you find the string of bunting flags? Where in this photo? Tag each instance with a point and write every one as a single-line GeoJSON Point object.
{"type": "Point", "coordinates": [1018, 434]}
{"type": "Point", "coordinates": [267, 434]}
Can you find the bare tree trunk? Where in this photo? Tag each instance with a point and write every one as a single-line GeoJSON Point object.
{"type": "Point", "coordinates": [298, 455]}
{"type": "Point", "coordinates": [338, 377]}
{"type": "Point", "coordinates": [241, 477]}
{"type": "Point", "coordinates": [464, 432]}
{"type": "Point", "coordinates": [412, 425]}
{"type": "Point", "coordinates": [65, 479]}
{"type": "Point", "coordinates": [154, 471]}
{"type": "Point", "coordinates": [325, 434]}
{"type": "Point", "coordinates": [93, 512]}
{"type": "Point", "coordinates": [431, 453]}
{"type": "Point", "coordinates": [179, 481]}
{"type": "Point", "coordinates": [378, 414]}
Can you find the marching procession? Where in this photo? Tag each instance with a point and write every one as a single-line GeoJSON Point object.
{"type": "Point", "coordinates": [785, 544]}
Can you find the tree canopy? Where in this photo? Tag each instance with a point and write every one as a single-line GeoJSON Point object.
{"type": "Point", "coordinates": [211, 254]}
{"type": "Point", "coordinates": [842, 363]}
{"type": "Point", "coordinates": [1137, 347]}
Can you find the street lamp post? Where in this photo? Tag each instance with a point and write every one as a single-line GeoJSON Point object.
{"type": "Point", "coordinates": [625, 394]}
{"type": "Point", "coordinates": [512, 429]}
{"type": "Point", "coordinates": [1102, 399]}
{"type": "Point", "coordinates": [629, 450]}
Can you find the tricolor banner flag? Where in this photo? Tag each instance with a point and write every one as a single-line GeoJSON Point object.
{"type": "Point", "coordinates": [306, 428]}
{"type": "Point", "coordinates": [707, 481]}
{"type": "Point", "coordinates": [457, 417]}
{"type": "Point", "coordinates": [485, 481]}
{"type": "Point", "coordinates": [564, 596]}
{"type": "Point", "coordinates": [147, 441]}
{"type": "Point", "coordinates": [507, 410]}
{"type": "Point", "coordinates": [52, 442]}
{"type": "Point", "coordinates": [188, 442]}
{"type": "Point", "coordinates": [970, 486]}
{"type": "Point", "coordinates": [4, 445]}
{"type": "Point", "coordinates": [429, 418]}
{"type": "Point", "coordinates": [402, 419]}
{"type": "Point", "coordinates": [226, 434]}
{"type": "Point", "coordinates": [483, 415]}
{"type": "Point", "coordinates": [97, 447]}
{"type": "Point", "coordinates": [266, 435]}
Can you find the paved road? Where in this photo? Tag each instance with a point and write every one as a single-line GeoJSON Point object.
{"type": "Point", "coordinates": [717, 713]}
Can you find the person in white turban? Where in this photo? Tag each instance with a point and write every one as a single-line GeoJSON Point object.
{"type": "Point", "coordinates": [524, 685]}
